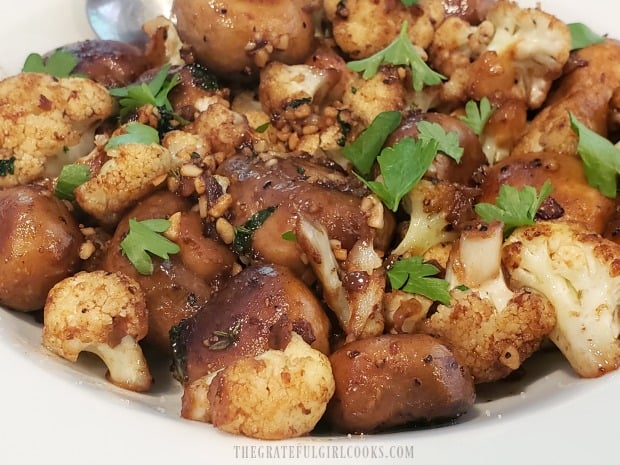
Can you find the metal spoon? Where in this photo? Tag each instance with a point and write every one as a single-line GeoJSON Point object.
{"type": "Point", "coordinates": [122, 19]}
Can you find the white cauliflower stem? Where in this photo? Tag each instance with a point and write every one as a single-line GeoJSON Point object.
{"type": "Point", "coordinates": [579, 272]}
{"type": "Point", "coordinates": [103, 313]}
{"type": "Point", "coordinates": [491, 329]}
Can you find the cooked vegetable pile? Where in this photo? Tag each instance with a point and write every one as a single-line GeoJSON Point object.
{"type": "Point", "coordinates": [334, 214]}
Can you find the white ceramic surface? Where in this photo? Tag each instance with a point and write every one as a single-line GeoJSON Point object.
{"type": "Point", "coordinates": [52, 412]}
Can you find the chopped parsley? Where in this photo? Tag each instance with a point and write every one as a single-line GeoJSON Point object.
{"type": "Point", "coordinates": [409, 2]}
{"type": "Point", "coordinates": [414, 276]}
{"type": "Point", "coordinates": [136, 133]}
{"type": "Point", "coordinates": [242, 244]}
{"type": "Point", "coordinates": [402, 167]}
{"type": "Point", "coordinates": [477, 114]}
{"type": "Point", "coordinates": [447, 142]}
{"type": "Point", "coordinates": [71, 176]}
{"type": "Point", "coordinates": [601, 159]}
{"type": "Point", "coordinates": [145, 237]}
{"type": "Point", "coordinates": [59, 64]}
{"type": "Point", "coordinates": [515, 207]}
{"type": "Point", "coordinates": [364, 150]}
{"type": "Point", "coordinates": [582, 36]}
{"type": "Point", "coordinates": [154, 92]}
{"type": "Point", "coordinates": [289, 236]}
{"type": "Point", "coordinates": [400, 52]}
{"type": "Point", "coordinates": [7, 166]}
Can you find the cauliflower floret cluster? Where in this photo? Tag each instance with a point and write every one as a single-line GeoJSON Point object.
{"type": "Point", "coordinates": [579, 272]}
{"type": "Point", "coordinates": [41, 116]}
{"type": "Point", "coordinates": [515, 53]}
{"type": "Point", "coordinates": [130, 172]}
{"type": "Point", "coordinates": [491, 329]}
{"type": "Point", "coordinates": [103, 313]}
{"type": "Point", "coordinates": [286, 397]}
{"type": "Point", "coordinates": [362, 28]}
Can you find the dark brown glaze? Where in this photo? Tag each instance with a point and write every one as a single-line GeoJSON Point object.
{"type": "Point", "coordinates": [394, 380]}
{"type": "Point", "coordinates": [108, 62]}
{"type": "Point", "coordinates": [444, 167]}
{"type": "Point", "coordinates": [179, 286]}
{"type": "Point", "coordinates": [39, 246]}
{"type": "Point", "coordinates": [297, 185]}
{"type": "Point", "coordinates": [255, 311]}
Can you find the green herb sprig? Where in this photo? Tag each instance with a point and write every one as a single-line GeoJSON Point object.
{"type": "Point", "coordinates": [135, 133]}
{"type": "Point", "coordinates": [154, 92]}
{"type": "Point", "coordinates": [400, 52]}
{"type": "Point", "coordinates": [477, 114]}
{"type": "Point", "coordinates": [60, 64]}
{"type": "Point", "coordinates": [582, 36]}
{"type": "Point", "coordinates": [402, 166]}
{"type": "Point", "coordinates": [70, 177]}
{"type": "Point", "coordinates": [363, 151]}
{"type": "Point", "coordinates": [515, 207]}
{"type": "Point", "coordinates": [146, 237]}
{"type": "Point", "coordinates": [414, 276]}
{"type": "Point", "coordinates": [601, 159]}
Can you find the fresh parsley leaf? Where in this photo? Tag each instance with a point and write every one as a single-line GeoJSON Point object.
{"type": "Point", "coordinates": [59, 64]}
{"type": "Point", "coordinates": [242, 243]}
{"type": "Point", "coordinates": [263, 127]}
{"type": "Point", "coordinates": [289, 236]}
{"type": "Point", "coordinates": [582, 36]}
{"type": "Point", "coordinates": [145, 237]}
{"type": "Point", "coordinates": [136, 133]}
{"type": "Point", "coordinates": [477, 115]}
{"type": "Point", "coordinates": [363, 151]}
{"type": "Point", "coordinates": [402, 167]}
{"type": "Point", "coordinates": [514, 207]}
{"type": "Point", "coordinates": [400, 52]}
{"type": "Point", "coordinates": [409, 2]}
{"type": "Point", "coordinates": [447, 142]}
{"type": "Point", "coordinates": [155, 92]}
{"type": "Point", "coordinates": [601, 159]}
{"type": "Point", "coordinates": [7, 166]}
{"type": "Point", "coordinates": [414, 276]}
{"type": "Point", "coordinates": [71, 176]}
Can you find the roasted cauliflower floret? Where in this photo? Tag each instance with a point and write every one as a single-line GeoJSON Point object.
{"type": "Point", "coordinates": [41, 117]}
{"type": "Point", "coordinates": [435, 210]}
{"type": "Point", "coordinates": [275, 395]}
{"type": "Point", "coordinates": [579, 272]}
{"type": "Point", "coordinates": [366, 98]}
{"type": "Point", "coordinates": [527, 52]}
{"type": "Point", "coordinates": [457, 43]}
{"type": "Point", "coordinates": [130, 172]}
{"type": "Point", "coordinates": [362, 28]}
{"type": "Point", "coordinates": [103, 313]}
{"type": "Point", "coordinates": [491, 329]}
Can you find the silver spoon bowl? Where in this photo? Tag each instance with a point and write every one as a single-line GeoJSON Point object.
{"type": "Point", "coordinates": [122, 19]}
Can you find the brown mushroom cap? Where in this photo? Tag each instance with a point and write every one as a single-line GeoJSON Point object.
{"type": "Point", "coordinates": [255, 311]}
{"type": "Point", "coordinates": [238, 37]}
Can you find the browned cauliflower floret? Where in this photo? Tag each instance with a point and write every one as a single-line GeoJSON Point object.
{"type": "Point", "coordinates": [275, 395]}
{"type": "Point", "coordinates": [527, 51]}
{"type": "Point", "coordinates": [225, 130]}
{"type": "Point", "coordinates": [362, 28]}
{"type": "Point", "coordinates": [491, 329]}
{"type": "Point", "coordinates": [130, 172]}
{"type": "Point", "coordinates": [41, 116]}
{"type": "Point", "coordinates": [103, 313]}
{"type": "Point", "coordinates": [457, 43]}
{"type": "Point", "coordinates": [579, 272]}
{"type": "Point", "coordinates": [386, 91]}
